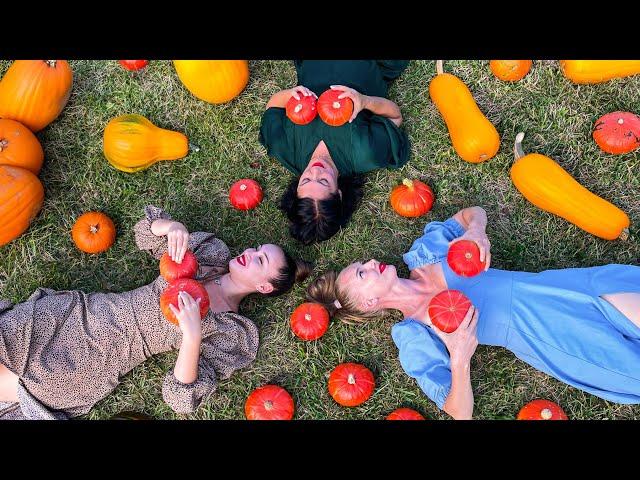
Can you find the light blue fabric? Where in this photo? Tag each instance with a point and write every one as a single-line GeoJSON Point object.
{"type": "Point", "coordinates": [555, 320]}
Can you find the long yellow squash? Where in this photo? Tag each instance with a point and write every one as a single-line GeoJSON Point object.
{"type": "Point", "coordinates": [597, 71]}
{"type": "Point", "coordinates": [548, 186]}
{"type": "Point", "coordinates": [132, 143]}
{"type": "Point", "coordinates": [473, 136]}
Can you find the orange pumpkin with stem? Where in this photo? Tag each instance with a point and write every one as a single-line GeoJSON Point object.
{"type": "Point", "coordinates": [510, 70]}
{"type": "Point", "coordinates": [309, 321]}
{"type": "Point", "coordinates": [542, 410]}
{"type": "Point", "coordinates": [21, 198]}
{"type": "Point", "coordinates": [34, 92]}
{"type": "Point", "coordinates": [93, 232]}
{"type": "Point", "coordinates": [548, 186]}
{"type": "Point", "coordinates": [411, 199]}
{"type": "Point", "coordinates": [473, 136]}
{"type": "Point", "coordinates": [19, 147]}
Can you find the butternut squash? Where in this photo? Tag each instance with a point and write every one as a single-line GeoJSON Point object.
{"type": "Point", "coordinates": [473, 136]}
{"type": "Point", "coordinates": [597, 71]}
{"type": "Point", "coordinates": [548, 186]}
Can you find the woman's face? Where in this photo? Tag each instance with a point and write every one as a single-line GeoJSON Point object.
{"type": "Point", "coordinates": [366, 283]}
{"type": "Point", "coordinates": [319, 180]}
{"type": "Point", "coordinates": [256, 267]}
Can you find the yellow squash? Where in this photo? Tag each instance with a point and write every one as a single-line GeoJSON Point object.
{"type": "Point", "coordinates": [132, 143]}
{"type": "Point", "coordinates": [214, 81]}
{"type": "Point", "coordinates": [473, 136]}
{"type": "Point", "coordinates": [548, 186]}
{"type": "Point", "coordinates": [597, 71]}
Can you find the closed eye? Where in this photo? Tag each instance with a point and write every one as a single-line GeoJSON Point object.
{"type": "Point", "coordinates": [324, 182]}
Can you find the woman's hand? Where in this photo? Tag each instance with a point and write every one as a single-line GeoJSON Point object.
{"type": "Point", "coordinates": [298, 91]}
{"type": "Point", "coordinates": [463, 341]}
{"type": "Point", "coordinates": [188, 315]}
{"type": "Point", "coordinates": [177, 241]}
{"type": "Point", "coordinates": [359, 100]}
{"type": "Point", "coordinates": [480, 238]}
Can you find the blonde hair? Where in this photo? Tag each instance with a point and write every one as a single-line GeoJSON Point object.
{"type": "Point", "coordinates": [324, 290]}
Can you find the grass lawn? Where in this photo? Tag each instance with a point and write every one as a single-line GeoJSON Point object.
{"type": "Point", "coordinates": [556, 115]}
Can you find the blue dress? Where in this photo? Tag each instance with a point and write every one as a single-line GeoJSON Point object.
{"type": "Point", "coordinates": [554, 320]}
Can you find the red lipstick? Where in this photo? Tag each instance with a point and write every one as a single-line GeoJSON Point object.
{"type": "Point", "coordinates": [242, 260]}
{"type": "Point", "coordinates": [382, 267]}
{"type": "Point", "coordinates": [317, 164]}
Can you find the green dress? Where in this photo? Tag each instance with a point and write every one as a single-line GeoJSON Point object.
{"type": "Point", "coordinates": [368, 143]}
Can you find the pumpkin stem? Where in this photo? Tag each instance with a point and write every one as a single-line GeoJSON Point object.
{"type": "Point", "coordinates": [307, 317]}
{"type": "Point", "coordinates": [3, 144]}
{"type": "Point", "coordinates": [624, 234]}
{"type": "Point", "coordinates": [336, 104]}
{"type": "Point", "coordinates": [546, 414]}
{"type": "Point", "coordinates": [517, 147]}
{"type": "Point", "coordinates": [268, 405]}
{"type": "Point", "coordinates": [407, 183]}
{"type": "Point", "coordinates": [94, 228]}
{"type": "Point", "coordinates": [298, 108]}
{"type": "Point", "coordinates": [620, 121]}
{"type": "Point", "coordinates": [193, 147]}
{"type": "Point", "coordinates": [439, 67]}
{"type": "Point", "coordinates": [51, 63]}
{"type": "Point", "coordinates": [351, 380]}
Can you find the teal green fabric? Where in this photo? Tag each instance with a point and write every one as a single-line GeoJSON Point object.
{"type": "Point", "coordinates": [368, 143]}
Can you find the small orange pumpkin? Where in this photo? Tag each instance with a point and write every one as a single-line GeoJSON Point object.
{"type": "Point", "coordinates": [34, 92]}
{"type": "Point", "coordinates": [404, 414]}
{"type": "Point", "coordinates": [411, 199]}
{"type": "Point", "coordinates": [21, 197]}
{"type": "Point", "coordinates": [93, 232]}
{"type": "Point", "coordinates": [19, 147]}
{"type": "Point", "coordinates": [309, 321]}
{"type": "Point", "coordinates": [214, 81]}
{"type": "Point", "coordinates": [542, 410]}
{"type": "Point", "coordinates": [473, 136]}
{"type": "Point", "coordinates": [510, 70]}
{"type": "Point", "coordinates": [617, 132]}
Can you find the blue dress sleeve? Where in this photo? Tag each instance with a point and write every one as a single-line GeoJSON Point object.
{"type": "Point", "coordinates": [424, 356]}
{"type": "Point", "coordinates": [433, 245]}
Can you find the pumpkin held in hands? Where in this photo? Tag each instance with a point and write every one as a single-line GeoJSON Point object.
{"type": "Point", "coordinates": [597, 71]}
{"type": "Point", "coordinates": [351, 384]}
{"type": "Point", "coordinates": [19, 147]}
{"type": "Point", "coordinates": [269, 402]}
{"type": "Point", "coordinates": [170, 297]}
{"type": "Point", "coordinates": [132, 143]}
{"type": "Point", "coordinates": [171, 270]}
{"type": "Point", "coordinates": [464, 258]}
{"type": "Point", "coordinates": [133, 65]}
{"type": "Point", "coordinates": [21, 197]}
{"type": "Point", "coordinates": [447, 310]}
{"type": "Point", "coordinates": [542, 410]}
{"type": "Point", "coordinates": [404, 414]}
{"type": "Point", "coordinates": [332, 110]}
{"type": "Point", "coordinates": [302, 111]}
{"type": "Point", "coordinates": [214, 81]}
{"type": "Point", "coordinates": [412, 198]}
{"type": "Point", "coordinates": [548, 186]}
{"type": "Point", "coordinates": [309, 321]}
{"type": "Point", "coordinates": [510, 70]}
{"type": "Point", "coordinates": [617, 132]}
{"type": "Point", "coordinates": [93, 232]}
{"type": "Point", "coordinates": [473, 136]}
{"type": "Point", "coordinates": [34, 92]}
{"type": "Point", "coordinates": [245, 194]}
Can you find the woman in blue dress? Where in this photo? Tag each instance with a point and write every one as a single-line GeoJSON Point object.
{"type": "Point", "coordinates": [579, 325]}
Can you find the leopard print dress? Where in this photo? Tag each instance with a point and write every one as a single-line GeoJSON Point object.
{"type": "Point", "coordinates": [69, 348]}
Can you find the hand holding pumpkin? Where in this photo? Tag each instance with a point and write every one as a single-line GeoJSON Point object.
{"type": "Point", "coordinates": [299, 90]}
{"type": "Point", "coordinates": [177, 241]}
{"type": "Point", "coordinates": [479, 237]}
{"type": "Point", "coordinates": [462, 342]}
{"type": "Point", "coordinates": [188, 315]}
{"type": "Point", "coordinates": [359, 100]}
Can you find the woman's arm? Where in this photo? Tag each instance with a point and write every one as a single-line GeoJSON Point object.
{"type": "Point", "coordinates": [378, 105]}
{"type": "Point", "coordinates": [189, 320]}
{"type": "Point", "coordinates": [280, 99]}
{"type": "Point", "coordinates": [177, 237]}
{"type": "Point", "coordinates": [474, 221]}
{"type": "Point", "coordinates": [461, 345]}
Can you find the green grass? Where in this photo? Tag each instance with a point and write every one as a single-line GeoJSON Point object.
{"type": "Point", "coordinates": [556, 115]}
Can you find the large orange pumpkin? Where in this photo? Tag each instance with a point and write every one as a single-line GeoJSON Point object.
{"type": "Point", "coordinates": [93, 232]}
{"type": "Point", "coordinates": [214, 81]}
{"type": "Point", "coordinates": [548, 186]}
{"type": "Point", "coordinates": [19, 147]}
{"type": "Point", "coordinates": [21, 197]}
{"type": "Point", "coordinates": [34, 92]}
{"type": "Point", "coordinates": [510, 70]}
{"type": "Point", "coordinates": [132, 143]}
{"type": "Point", "coordinates": [473, 136]}
{"type": "Point", "coordinates": [597, 71]}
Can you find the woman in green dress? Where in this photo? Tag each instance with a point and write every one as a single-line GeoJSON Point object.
{"type": "Point", "coordinates": [328, 162]}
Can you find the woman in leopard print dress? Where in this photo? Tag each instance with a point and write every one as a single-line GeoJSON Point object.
{"type": "Point", "coordinates": [63, 351]}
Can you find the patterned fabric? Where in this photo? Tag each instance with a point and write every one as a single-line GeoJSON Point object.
{"type": "Point", "coordinates": [69, 348]}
